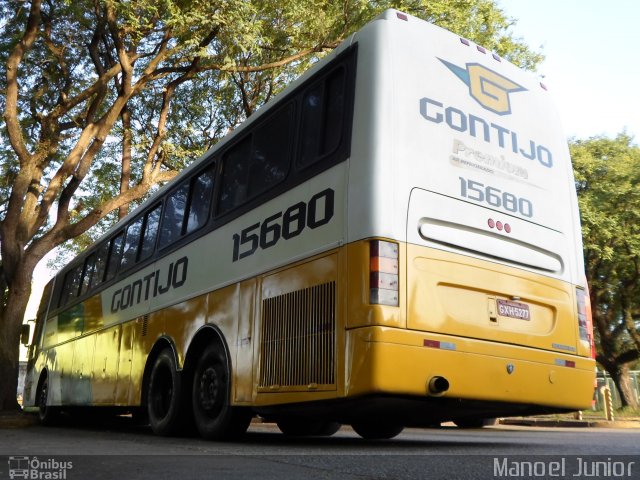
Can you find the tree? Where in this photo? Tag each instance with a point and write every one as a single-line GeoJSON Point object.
{"type": "Point", "coordinates": [104, 100]}
{"type": "Point", "coordinates": [607, 177]}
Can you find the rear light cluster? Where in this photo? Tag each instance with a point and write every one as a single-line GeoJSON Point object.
{"type": "Point", "coordinates": [495, 56]}
{"type": "Point", "coordinates": [499, 225]}
{"type": "Point", "coordinates": [383, 276]}
{"type": "Point", "coordinates": [585, 321]}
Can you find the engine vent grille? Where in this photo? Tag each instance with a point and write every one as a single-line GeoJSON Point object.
{"type": "Point", "coordinates": [298, 339]}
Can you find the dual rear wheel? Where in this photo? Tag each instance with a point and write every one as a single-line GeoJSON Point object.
{"type": "Point", "coordinates": [172, 407]}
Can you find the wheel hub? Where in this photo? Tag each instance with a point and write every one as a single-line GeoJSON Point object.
{"type": "Point", "coordinates": [209, 388]}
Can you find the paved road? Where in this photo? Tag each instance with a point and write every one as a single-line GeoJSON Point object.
{"type": "Point", "coordinates": [118, 449]}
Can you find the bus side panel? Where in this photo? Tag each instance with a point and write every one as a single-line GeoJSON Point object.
{"type": "Point", "coordinates": [243, 368]}
{"type": "Point", "coordinates": [222, 311]}
{"type": "Point", "coordinates": [105, 365]}
{"type": "Point", "coordinates": [61, 373]}
{"type": "Point", "coordinates": [181, 321]}
{"type": "Point", "coordinates": [125, 363]}
{"type": "Point", "coordinates": [299, 332]}
{"type": "Point", "coordinates": [81, 392]}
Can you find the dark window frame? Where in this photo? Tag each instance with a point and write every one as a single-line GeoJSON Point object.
{"type": "Point", "coordinates": [288, 106]}
{"type": "Point", "coordinates": [296, 175]}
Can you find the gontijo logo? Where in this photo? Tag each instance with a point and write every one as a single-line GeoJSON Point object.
{"type": "Point", "coordinates": [488, 88]}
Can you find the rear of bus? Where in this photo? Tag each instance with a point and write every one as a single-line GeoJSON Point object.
{"type": "Point", "coordinates": [463, 210]}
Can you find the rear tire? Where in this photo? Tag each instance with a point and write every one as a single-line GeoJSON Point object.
{"type": "Point", "coordinates": [307, 427]}
{"type": "Point", "coordinates": [377, 431]}
{"type": "Point", "coordinates": [214, 416]}
{"type": "Point", "coordinates": [164, 395]}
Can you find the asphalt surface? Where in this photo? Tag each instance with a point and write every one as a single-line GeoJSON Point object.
{"type": "Point", "coordinates": [116, 448]}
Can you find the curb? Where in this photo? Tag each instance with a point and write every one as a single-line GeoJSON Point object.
{"type": "Point", "coordinates": [17, 420]}
{"type": "Point", "coordinates": [535, 422]}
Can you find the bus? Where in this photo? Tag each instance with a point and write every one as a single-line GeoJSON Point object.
{"type": "Point", "coordinates": [393, 241]}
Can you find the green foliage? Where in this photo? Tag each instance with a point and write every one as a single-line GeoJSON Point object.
{"type": "Point", "coordinates": [220, 60]}
{"type": "Point", "coordinates": [607, 173]}
{"type": "Point", "coordinates": [479, 20]}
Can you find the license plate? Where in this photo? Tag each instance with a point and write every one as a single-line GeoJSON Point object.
{"type": "Point", "coordinates": [507, 308]}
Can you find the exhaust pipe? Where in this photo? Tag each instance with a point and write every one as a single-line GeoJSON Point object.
{"type": "Point", "coordinates": [437, 386]}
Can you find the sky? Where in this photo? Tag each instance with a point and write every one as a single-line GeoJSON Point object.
{"type": "Point", "coordinates": [592, 69]}
{"type": "Point", "coordinates": [592, 65]}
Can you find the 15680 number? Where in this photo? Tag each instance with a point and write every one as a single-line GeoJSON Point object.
{"type": "Point", "coordinates": [285, 225]}
{"type": "Point", "coordinates": [495, 197]}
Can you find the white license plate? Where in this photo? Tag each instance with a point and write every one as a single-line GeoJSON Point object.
{"type": "Point", "coordinates": [507, 308]}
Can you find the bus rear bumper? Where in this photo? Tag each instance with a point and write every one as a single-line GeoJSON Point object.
{"type": "Point", "coordinates": [390, 361]}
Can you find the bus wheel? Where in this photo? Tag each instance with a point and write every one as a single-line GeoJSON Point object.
{"type": "Point", "coordinates": [372, 430]}
{"type": "Point", "coordinates": [306, 427]}
{"type": "Point", "coordinates": [163, 396]}
{"type": "Point", "coordinates": [215, 418]}
{"type": "Point", "coordinates": [47, 414]}
{"type": "Point", "coordinates": [475, 422]}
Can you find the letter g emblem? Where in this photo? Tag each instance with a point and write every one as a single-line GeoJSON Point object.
{"type": "Point", "coordinates": [488, 88]}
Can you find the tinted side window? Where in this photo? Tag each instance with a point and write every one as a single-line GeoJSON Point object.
{"type": "Point", "coordinates": [115, 252]}
{"type": "Point", "coordinates": [235, 175]}
{"type": "Point", "coordinates": [87, 275]}
{"type": "Point", "coordinates": [200, 202]}
{"type": "Point", "coordinates": [333, 121]}
{"type": "Point", "coordinates": [323, 111]}
{"type": "Point", "coordinates": [258, 162]}
{"type": "Point", "coordinates": [71, 285]}
{"type": "Point", "coordinates": [270, 154]}
{"type": "Point", "coordinates": [173, 217]}
{"type": "Point", "coordinates": [132, 240]}
{"type": "Point", "coordinates": [152, 219]}
{"type": "Point", "coordinates": [101, 265]}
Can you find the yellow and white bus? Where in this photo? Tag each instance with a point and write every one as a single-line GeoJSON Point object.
{"type": "Point", "coordinates": [392, 241]}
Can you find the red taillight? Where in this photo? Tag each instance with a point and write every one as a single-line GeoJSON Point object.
{"type": "Point", "coordinates": [383, 276]}
{"type": "Point", "coordinates": [585, 320]}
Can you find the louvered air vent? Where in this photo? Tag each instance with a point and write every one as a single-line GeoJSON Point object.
{"type": "Point", "coordinates": [145, 325]}
{"type": "Point", "coordinates": [298, 339]}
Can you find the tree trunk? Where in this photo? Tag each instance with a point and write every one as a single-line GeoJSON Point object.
{"type": "Point", "coordinates": [628, 395]}
{"type": "Point", "coordinates": [125, 174]}
{"type": "Point", "coordinates": [17, 299]}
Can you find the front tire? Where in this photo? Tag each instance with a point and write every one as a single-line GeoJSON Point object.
{"type": "Point", "coordinates": [47, 414]}
{"type": "Point", "coordinates": [377, 431]}
{"type": "Point", "coordinates": [307, 427]}
{"type": "Point", "coordinates": [475, 422]}
{"type": "Point", "coordinates": [215, 418]}
{"type": "Point", "coordinates": [164, 395]}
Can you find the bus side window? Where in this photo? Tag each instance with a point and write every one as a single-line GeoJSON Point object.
{"type": "Point", "coordinates": [271, 152]}
{"type": "Point", "coordinates": [115, 251]}
{"type": "Point", "coordinates": [235, 164]}
{"type": "Point", "coordinates": [131, 243]}
{"type": "Point", "coordinates": [258, 162]}
{"type": "Point", "coordinates": [152, 219]}
{"type": "Point", "coordinates": [89, 267]}
{"type": "Point", "coordinates": [101, 264]}
{"type": "Point", "coordinates": [200, 199]}
{"type": "Point", "coordinates": [71, 285]}
{"type": "Point", "coordinates": [323, 111]}
{"type": "Point", "coordinates": [173, 217]}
